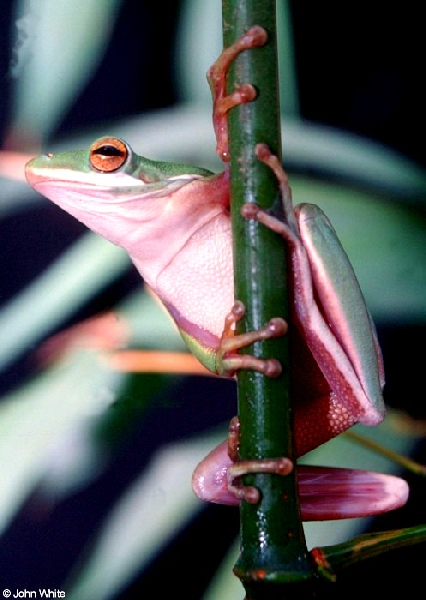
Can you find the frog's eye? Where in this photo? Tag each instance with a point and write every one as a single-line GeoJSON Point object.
{"type": "Point", "coordinates": [108, 154]}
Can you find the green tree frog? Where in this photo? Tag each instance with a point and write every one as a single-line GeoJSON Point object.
{"type": "Point", "coordinates": [173, 220]}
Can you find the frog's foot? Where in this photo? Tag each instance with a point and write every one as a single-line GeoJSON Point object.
{"type": "Point", "coordinates": [264, 154]}
{"type": "Point", "coordinates": [249, 493]}
{"type": "Point", "coordinates": [230, 361]}
{"type": "Point", "coordinates": [217, 74]}
{"type": "Point", "coordinates": [288, 227]}
{"type": "Point", "coordinates": [325, 492]}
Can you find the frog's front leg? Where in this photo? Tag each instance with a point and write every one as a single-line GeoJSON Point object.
{"type": "Point", "coordinates": [217, 75]}
{"type": "Point", "coordinates": [228, 359]}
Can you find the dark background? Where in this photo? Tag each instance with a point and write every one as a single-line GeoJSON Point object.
{"type": "Point", "coordinates": [360, 67]}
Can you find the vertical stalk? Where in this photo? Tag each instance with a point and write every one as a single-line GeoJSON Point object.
{"type": "Point", "coordinates": [273, 549]}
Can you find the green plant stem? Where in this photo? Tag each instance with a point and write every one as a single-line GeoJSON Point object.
{"type": "Point", "coordinates": [273, 548]}
{"type": "Point", "coordinates": [405, 462]}
{"type": "Point", "coordinates": [333, 559]}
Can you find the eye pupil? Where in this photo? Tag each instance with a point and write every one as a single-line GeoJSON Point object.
{"type": "Point", "coordinates": [108, 155]}
{"type": "Point", "coordinates": [108, 150]}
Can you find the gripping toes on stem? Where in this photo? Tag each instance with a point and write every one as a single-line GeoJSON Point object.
{"type": "Point", "coordinates": [253, 211]}
{"type": "Point", "coordinates": [230, 361]}
{"type": "Point", "coordinates": [217, 75]}
{"type": "Point", "coordinates": [249, 493]}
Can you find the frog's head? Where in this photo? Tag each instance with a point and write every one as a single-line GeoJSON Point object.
{"type": "Point", "coordinates": [108, 186]}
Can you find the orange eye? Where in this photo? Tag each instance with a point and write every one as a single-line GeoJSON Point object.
{"type": "Point", "coordinates": [108, 154]}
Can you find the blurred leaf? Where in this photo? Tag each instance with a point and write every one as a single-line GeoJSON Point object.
{"type": "Point", "coordinates": [54, 429]}
{"type": "Point", "coordinates": [38, 420]}
{"type": "Point", "coordinates": [58, 44]}
{"type": "Point", "coordinates": [152, 510]}
{"type": "Point", "coordinates": [225, 584]}
{"type": "Point", "coordinates": [77, 275]}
